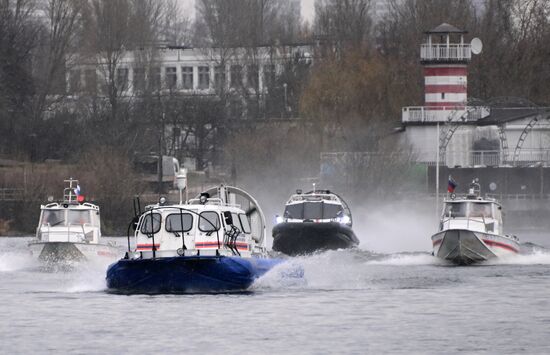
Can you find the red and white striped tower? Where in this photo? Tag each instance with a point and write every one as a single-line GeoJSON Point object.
{"type": "Point", "coordinates": [445, 58]}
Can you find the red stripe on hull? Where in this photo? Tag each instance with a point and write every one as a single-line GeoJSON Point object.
{"type": "Point", "coordinates": [145, 247]}
{"type": "Point", "coordinates": [500, 245]}
{"type": "Point", "coordinates": [452, 89]}
{"type": "Point", "coordinates": [446, 71]}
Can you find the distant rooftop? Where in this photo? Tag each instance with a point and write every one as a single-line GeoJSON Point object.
{"type": "Point", "coordinates": [445, 28]}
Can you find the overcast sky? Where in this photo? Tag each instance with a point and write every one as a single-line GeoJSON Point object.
{"type": "Point", "coordinates": [308, 9]}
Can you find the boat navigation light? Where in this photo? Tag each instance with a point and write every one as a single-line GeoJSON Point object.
{"type": "Point", "coordinates": [299, 191]}
{"type": "Point", "coordinates": [162, 200]}
{"type": "Point", "coordinates": [344, 219]}
{"type": "Point", "coordinates": [50, 198]}
{"type": "Point", "coordinates": [204, 197]}
{"type": "Point", "coordinates": [278, 219]}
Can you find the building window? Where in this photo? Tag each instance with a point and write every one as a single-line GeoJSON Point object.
{"type": "Point", "coordinates": [187, 77]}
{"type": "Point", "coordinates": [121, 79]}
{"type": "Point", "coordinates": [139, 79]}
{"type": "Point", "coordinates": [74, 81]}
{"type": "Point", "coordinates": [252, 77]}
{"type": "Point", "coordinates": [219, 77]}
{"type": "Point", "coordinates": [90, 78]}
{"type": "Point", "coordinates": [171, 77]}
{"type": "Point", "coordinates": [442, 96]}
{"type": "Point", "coordinates": [236, 76]}
{"type": "Point", "coordinates": [155, 78]}
{"type": "Point", "coordinates": [269, 76]}
{"type": "Point", "coordinates": [204, 77]}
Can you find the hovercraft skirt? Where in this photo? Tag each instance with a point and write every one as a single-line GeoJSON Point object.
{"type": "Point", "coordinates": [186, 274]}
{"type": "Point", "coordinates": [309, 237]}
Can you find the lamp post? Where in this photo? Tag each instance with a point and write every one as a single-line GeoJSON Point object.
{"type": "Point", "coordinates": [285, 90]}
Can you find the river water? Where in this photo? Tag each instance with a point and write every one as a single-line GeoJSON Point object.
{"type": "Point", "coordinates": [351, 302]}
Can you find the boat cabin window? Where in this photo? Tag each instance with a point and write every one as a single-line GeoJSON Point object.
{"type": "Point", "coordinates": [209, 221]}
{"type": "Point", "coordinates": [245, 223]}
{"type": "Point", "coordinates": [53, 217]}
{"type": "Point", "coordinates": [79, 217]}
{"type": "Point", "coordinates": [456, 209]}
{"type": "Point", "coordinates": [469, 209]}
{"type": "Point", "coordinates": [481, 210]}
{"type": "Point", "coordinates": [177, 222]}
{"type": "Point", "coordinates": [150, 224]}
{"type": "Point", "coordinates": [313, 210]}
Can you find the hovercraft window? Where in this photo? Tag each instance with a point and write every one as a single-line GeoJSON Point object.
{"type": "Point", "coordinates": [179, 222]}
{"type": "Point", "coordinates": [331, 210]}
{"type": "Point", "coordinates": [245, 223]}
{"type": "Point", "coordinates": [209, 221]}
{"type": "Point", "coordinates": [150, 224]}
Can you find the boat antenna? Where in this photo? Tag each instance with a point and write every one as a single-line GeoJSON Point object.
{"type": "Point", "coordinates": [313, 187]}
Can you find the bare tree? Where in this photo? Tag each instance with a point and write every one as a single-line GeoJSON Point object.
{"type": "Point", "coordinates": [18, 39]}
{"type": "Point", "coordinates": [62, 28]}
{"type": "Point", "coordinates": [346, 23]}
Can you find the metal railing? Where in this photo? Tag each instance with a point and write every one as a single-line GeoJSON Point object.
{"type": "Point", "coordinates": [479, 158]}
{"type": "Point", "coordinates": [443, 114]}
{"type": "Point", "coordinates": [448, 52]}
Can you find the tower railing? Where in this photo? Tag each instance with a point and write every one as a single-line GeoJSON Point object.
{"type": "Point", "coordinates": [447, 52]}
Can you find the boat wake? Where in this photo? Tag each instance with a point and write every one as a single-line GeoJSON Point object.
{"type": "Point", "coordinates": [337, 269]}
{"type": "Point", "coordinates": [16, 261]}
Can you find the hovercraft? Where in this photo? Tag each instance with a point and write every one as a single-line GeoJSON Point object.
{"type": "Point", "coordinates": [210, 244]}
{"type": "Point", "coordinates": [314, 221]}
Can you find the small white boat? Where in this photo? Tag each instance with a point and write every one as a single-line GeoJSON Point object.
{"type": "Point", "coordinates": [471, 230]}
{"type": "Point", "coordinates": [70, 230]}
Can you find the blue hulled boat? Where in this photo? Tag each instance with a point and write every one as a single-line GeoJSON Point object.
{"type": "Point", "coordinates": [214, 243]}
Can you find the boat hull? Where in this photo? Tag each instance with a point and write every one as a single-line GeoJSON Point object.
{"type": "Point", "coordinates": [308, 237]}
{"type": "Point", "coordinates": [464, 247]}
{"type": "Point", "coordinates": [186, 274]}
{"type": "Point", "coordinates": [53, 252]}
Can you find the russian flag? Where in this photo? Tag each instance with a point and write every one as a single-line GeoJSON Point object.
{"type": "Point", "coordinates": [452, 185]}
{"type": "Point", "coordinates": [79, 197]}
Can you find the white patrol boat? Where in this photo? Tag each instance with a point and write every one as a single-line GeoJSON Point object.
{"type": "Point", "coordinates": [313, 221]}
{"type": "Point", "coordinates": [209, 244]}
{"type": "Point", "coordinates": [70, 230]}
{"type": "Point", "coordinates": [471, 230]}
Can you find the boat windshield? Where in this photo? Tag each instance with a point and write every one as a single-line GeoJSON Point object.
{"type": "Point", "coordinates": [209, 221]}
{"type": "Point", "coordinates": [53, 217]}
{"type": "Point", "coordinates": [469, 209]}
{"type": "Point", "coordinates": [177, 222]}
{"type": "Point", "coordinates": [150, 223]}
{"type": "Point", "coordinates": [79, 217]}
{"type": "Point", "coordinates": [313, 210]}
{"type": "Point", "coordinates": [244, 222]}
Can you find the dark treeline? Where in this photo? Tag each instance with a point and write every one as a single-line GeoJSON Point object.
{"type": "Point", "coordinates": [348, 97]}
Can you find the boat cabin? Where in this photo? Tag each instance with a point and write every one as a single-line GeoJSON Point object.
{"type": "Point", "coordinates": [321, 206]}
{"type": "Point", "coordinates": [71, 220]}
{"type": "Point", "coordinates": [210, 227]}
{"type": "Point", "coordinates": [481, 215]}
